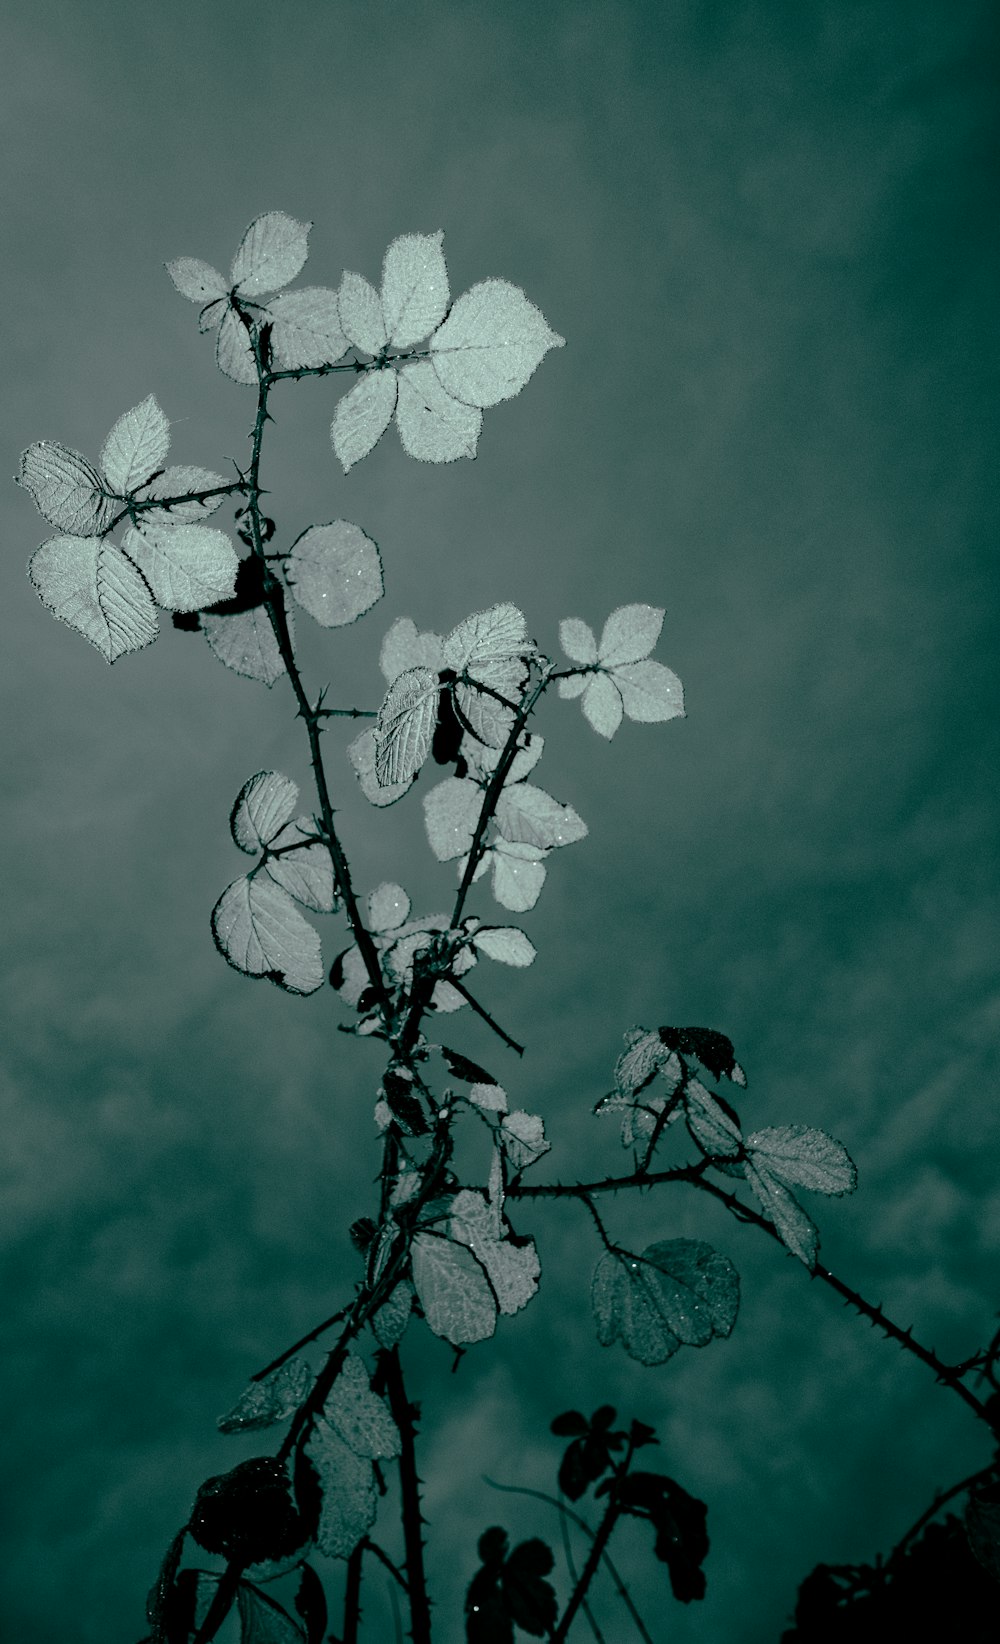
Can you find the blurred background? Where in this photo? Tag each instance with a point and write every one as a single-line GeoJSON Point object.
{"type": "Point", "coordinates": [768, 234]}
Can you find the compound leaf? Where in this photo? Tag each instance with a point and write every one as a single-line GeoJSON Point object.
{"type": "Point", "coordinates": [261, 932]}
{"type": "Point", "coordinates": [187, 567]}
{"type": "Point", "coordinates": [335, 573]}
{"type": "Point", "coordinates": [362, 416]}
{"type": "Point", "coordinates": [433, 427]}
{"type": "Point", "coordinates": [272, 251]}
{"type": "Point", "coordinates": [305, 328]}
{"type": "Point", "coordinates": [453, 1290]}
{"type": "Point", "coordinates": [90, 585]}
{"type": "Point", "coordinates": [66, 489]}
{"type": "Point", "coordinates": [136, 446]}
{"type": "Point", "coordinates": [491, 343]}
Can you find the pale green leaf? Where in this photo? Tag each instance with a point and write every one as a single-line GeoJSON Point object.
{"type": "Point", "coordinates": [263, 805]}
{"type": "Point", "coordinates": [484, 760]}
{"type": "Point", "coordinates": [491, 343]}
{"type": "Point", "coordinates": [403, 648]}
{"type": "Point", "coordinates": [305, 328]}
{"type": "Point", "coordinates": [362, 416]}
{"type": "Point", "coordinates": [361, 316]}
{"type": "Point", "coordinates": [527, 815]}
{"type": "Point", "coordinates": [306, 873]}
{"type": "Point", "coordinates": [246, 643]}
{"type": "Point", "coordinates": [136, 446]}
{"type": "Point", "coordinates": [794, 1227]}
{"type": "Point", "coordinates": [602, 705]}
{"type": "Point", "coordinates": [388, 907]}
{"type": "Point", "coordinates": [493, 1098]}
{"type": "Point", "coordinates": [361, 753]}
{"type": "Point", "coordinates": [414, 288]}
{"type": "Point", "coordinates": [271, 1400]}
{"type": "Point", "coordinates": [522, 1137]}
{"type": "Point", "coordinates": [518, 875]}
{"type": "Point", "coordinates": [512, 1269]}
{"type": "Point", "coordinates": [490, 720]}
{"type": "Point", "coordinates": [272, 252]}
{"type": "Point", "coordinates": [709, 1123]}
{"type": "Point", "coordinates": [390, 1322]}
{"type": "Point", "coordinates": [347, 1482]}
{"type": "Point", "coordinates": [334, 572]}
{"type": "Point", "coordinates": [198, 281]}
{"type": "Point", "coordinates": [577, 640]}
{"type": "Point", "coordinates": [261, 932]}
{"type": "Point", "coordinates": [650, 692]}
{"type": "Point", "coordinates": [574, 686]}
{"type": "Point", "coordinates": [504, 943]}
{"type": "Point", "coordinates": [234, 350]}
{"type": "Point", "coordinates": [494, 635]}
{"type": "Point", "coordinates": [629, 633]}
{"type": "Point", "coordinates": [187, 567]}
{"type": "Point", "coordinates": [432, 426]}
{"type": "Point", "coordinates": [805, 1158]}
{"type": "Point", "coordinates": [405, 726]}
{"type": "Point", "coordinates": [451, 811]}
{"type": "Point", "coordinates": [66, 489]}
{"type": "Point", "coordinates": [89, 584]}
{"type": "Point", "coordinates": [453, 1290]}
{"type": "Point", "coordinates": [359, 1416]}
{"type": "Point", "coordinates": [679, 1291]}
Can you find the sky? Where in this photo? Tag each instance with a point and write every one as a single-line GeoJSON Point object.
{"type": "Point", "coordinates": [768, 234]}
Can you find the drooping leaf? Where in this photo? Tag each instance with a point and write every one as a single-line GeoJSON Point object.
{"type": "Point", "coordinates": [491, 343]}
{"type": "Point", "coordinates": [359, 1416]}
{"type": "Point", "coordinates": [246, 643]}
{"type": "Point", "coordinates": [262, 1619]}
{"type": "Point", "coordinates": [577, 640]}
{"type": "Point", "coordinates": [505, 943]}
{"type": "Point", "coordinates": [527, 815]}
{"type": "Point", "coordinates": [432, 426]}
{"type": "Point", "coordinates": [362, 416]}
{"type": "Point", "coordinates": [680, 1290]}
{"type": "Point", "coordinates": [404, 648]}
{"type": "Point", "coordinates": [451, 810]}
{"type": "Point", "coordinates": [414, 288]}
{"type": "Point", "coordinates": [629, 634]}
{"type": "Point", "coordinates": [347, 1482]}
{"type": "Point", "coordinates": [175, 482]}
{"type": "Point", "coordinates": [645, 1056]}
{"type": "Point", "coordinates": [187, 567]}
{"type": "Point", "coordinates": [335, 573]}
{"type": "Point", "coordinates": [361, 753]}
{"type": "Point", "coordinates": [601, 704]}
{"type": "Point", "coordinates": [388, 906]}
{"type": "Point", "coordinates": [66, 489]}
{"type": "Point", "coordinates": [795, 1228]}
{"type": "Point", "coordinates": [361, 314]}
{"type": "Point", "coordinates": [522, 1137]}
{"type": "Point", "coordinates": [484, 760]}
{"type": "Point", "coordinates": [405, 726]}
{"type": "Point", "coordinates": [306, 873]}
{"type": "Point", "coordinates": [233, 349]}
{"type": "Point", "coordinates": [650, 692]}
{"type": "Point", "coordinates": [453, 1290]}
{"type": "Point", "coordinates": [261, 932]}
{"type": "Point", "coordinates": [272, 252]}
{"type": "Point", "coordinates": [88, 583]}
{"type": "Point", "coordinates": [512, 1269]}
{"type": "Point", "coordinates": [804, 1157]}
{"type": "Point", "coordinates": [263, 805]}
{"type": "Point", "coordinates": [710, 1125]}
{"type": "Point", "coordinates": [136, 446]}
{"type": "Point", "coordinates": [305, 328]}
{"type": "Point", "coordinates": [198, 281]}
{"type": "Point", "coordinates": [271, 1400]}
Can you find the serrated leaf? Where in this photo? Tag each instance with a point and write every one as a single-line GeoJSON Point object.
{"type": "Point", "coordinates": [361, 753]}
{"type": "Point", "coordinates": [305, 328]}
{"type": "Point", "coordinates": [680, 1291]}
{"type": "Point", "coordinates": [261, 932]}
{"type": "Point", "coordinates": [432, 426]}
{"type": "Point", "coordinates": [492, 1098]}
{"type": "Point", "coordinates": [362, 416]}
{"type": "Point", "coordinates": [629, 633]}
{"type": "Point", "coordinates": [453, 1290]}
{"type": "Point", "coordinates": [710, 1125]}
{"type": "Point", "coordinates": [794, 1227]}
{"type": "Point", "coordinates": [451, 811]}
{"type": "Point", "coordinates": [187, 567]}
{"type": "Point", "coordinates": [307, 873]}
{"type": "Point", "coordinates": [626, 1306]}
{"type": "Point", "coordinates": [174, 482]}
{"type": "Point", "coordinates": [484, 760]}
{"type": "Point", "coordinates": [198, 281]}
{"type": "Point", "coordinates": [527, 815]}
{"type": "Point", "coordinates": [518, 875]}
{"type": "Point", "coordinates": [271, 253]}
{"type": "Point", "coordinates": [405, 726]}
{"type": "Point", "coordinates": [650, 692]}
{"type": "Point", "coordinates": [573, 687]}
{"type": "Point", "coordinates": [522, 1137]}
{"type": "Point", "coordinates": [804, 1157]}
{"type": "Point", "coordinates": [359, 1416]}
{"type": "Point", "coordinates": [495, 635]}
{"type": "Point", "coordinates": [414, 288]}
{"type": "Point", "coordinates": [403, 648]}
{"type": "Point", "coordinates": [263, 805]}
{"type": "Point", "coordinates": [234, 351]}
{"type": "Point", "coordinates": [491, 343]}
{"type": "Point", "coordinates": [490, 720]}
{"type": "Point", "coordinates": [602, 705]}
{"type": "Point", "coordinates": [646, 1055]}
{"type": "Point", "coordinates": [262, 1621]}
{"type": "Point", "coordinates": [388, 907]}
{"type": "Point", "coordinates": [335, 573]}
{"type": "Point", "coordinates": [136, 446]}
{"type": "Point", "coordinates": [65, 488]}
{"type": "Point", "coordinates": [577, 640]}
{"type": "Point", "coordinates": [504, 943]}
{"type": "Point", "coordinates": [265, 1402]}
{"type": "Point", "coordinates": [347, 1482]}
{"type": "Point", "coordinates": [513, 1270]}
{"type": "Point", "coordinates": [246, 643]}
{"type": "Point", "coordinates": [390, 1322]}
{"type": "Point", "coordinates": [89, 584]}
{"type": "Point", "coordinates": [361, 316]}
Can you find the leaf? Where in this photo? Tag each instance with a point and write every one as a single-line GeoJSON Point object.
{"type": "Point", "coordinates": [522, 1136]}
{"type": "Point", "coordinates": [136, 446]}
{"type": "Point", "coordinates": [495, 635]}
{"type": "Point", "coordinates": [307, 873]}
{"type": "Point", "coordinates": [485, 760]}
{"type": "Point", "coordinates": [453, 1290]}
{"type": "Point", "coordinates": [602, 705]}
{"type": "Point", "coordinates": [518, 875]}
{"type": "Point", "coordinates": [490, 344]}
{"type": "Point", "coordinates": [246, 643]}
{"type": "Point", "coordinates": [794, 1227]}
{"type": "Point", "coordinates": [361, 753]}
{"type": "Point", "coordinates": [646, 1055]}
{"type": "Point", "coordinates": [405, 726]}
{"type": "Point", "coordinates": [681, 1290]}
{"type": "Point", "coordinates": [362, 416]}
{"type": "Point", "coordinates": [359, 1416]}
{"type": "Point", "coordinates": [650, 692]}
{"type": "Point", "coordinates": [629, 633]}
{"type": "Point", "coordinates": [66, 489]}
{"type": "Point", "coordinates": [271, 253]}
{"type": "Point", "coordinates": [388, 907]}
{"type": "Point", "coordinates": [90, 585]}
{"type": "Point", "coordinates": [233, 349]}
{"type": "Point", "coordinates": [574, 686]}
{"type": "Point", "coordinates": [393, 1316]}
{"type": "Point", "coordinates": [263, 1621]}
{"type": "Point", "coordinates": [361, 315]}
{"type": "Point", "coordinates": [198, 281]}
{"type": "Point", "coordinates": [414, 288]}
{"type": "Point", "coordinates": [305, 329]}
{"type": "Point", "coordinates": [187, 567]}
{"type": "Point", "coordinates": [527, 815]}
{"type": "Point", "coordinates": [403, 648]}
{"type": "Point", "coordinates": [505, 943]}
{"type": "Point", "coordinates": [432, 426]}
{"type": "Point", "coordinates": [710, 1125]}
{"type": "Point", "coordinates": [263, 805]}
{"type": "Point", "coordinates": [261, 932]}
{"type": "Point", "coordinates": [335, 573]}
{"type": "Point", "coordinates": [804, 1157]}
{"type": "Point", "coordinates": [310, 1601]}
{"type": "Point", "coordinates": [347, 1482]}
{"type": "Point", "coordinates": [175, 482]}
{"type": "Point", "coordinates": [530, 1599]}
{"type": "Point", "coordinates": [249, 1514]}
{"type": "Point", "coordinates": [489, 720]}
{"type": "Point", "coordinates": [577, 640]}
{"type": "Point", "coordinates": [271, 1400]}
{"type": "Point", "coordinates": [492, 1098]}
{"type": "Point", "coordinates": [451, 811]}
{"type": "Point", "coordinates": [513, 1270]}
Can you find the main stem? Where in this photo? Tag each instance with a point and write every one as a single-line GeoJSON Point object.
{"type": "Point", "coordinates": [404, 1416]}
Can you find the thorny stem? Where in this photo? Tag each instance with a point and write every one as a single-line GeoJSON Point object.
{"type": "Point", "coordinates": [984, 1476]}
{"type": "Point", "coordinates": [600, 1541]}
{"type": "Point", "coordinates": [405, 1414]}
{"type": "Point", "coordinates": [303, 1341]}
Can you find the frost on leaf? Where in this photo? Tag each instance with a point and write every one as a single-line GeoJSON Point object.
{"type": "Point", "coordinates": [680, 1291]}
{"type": "Point", "coordinates": [577, 640]}
{"type": "Point", "coordinates": [602, 705]}
{"type": "Point", "coordinates": [270, 1400]}
{"type": "Point", "coordinates": [198, 281]}
{"type": "Point", "coordinates": [526, 815]}
{"type": "Point", "coordinates": [176, 482]}
{"type": "Point", "coordinates": [261, 932]}
{"type": "Point", "coordinates": [805, 1158]}
{"type": "Point", "coordinates": [272, 252]}
{"type": "Point", "coordinates": [234, 350]}
{"type": "Point", "coordinates": [453, 1290]}
{"type": "Point", "coordinates": [492, 1098]}
{"type": "Point", "coordinates": [414, 288]}
{"type": "Point", "coordinates": [451, 811]}
{"type": "Point", "coordinates": [518, 875]}
{"type": "Point", "coordinates": [404, 647]}
{"type": "Point", "coordinates": [305, 873]}
{"type": "Point", "coordinates": [709, 1123]}
{"type": "Point", "coordinates": [388, 907]}
{"type": "Point", "coordinates": [335, 573]}
{"type": "Point", "coordinates": [522, 1137]}
{"type": "Point", "coordinates": [405, 726]}
{"type": "Point", "coordinates": [91, 586]}
{"type": "Point", "coordinates": [66, 489]}
{"type": "Point", "coordinates": [187, 567]}
{"type": "Point", "coordinates": [496, 635]}
{"type": "Point", "coordinates": [490, 344]}
{"type": "Point", "coordinates": [305, 328]}
{"type": "Point", "coordinates": [361, 753]}
{"type": "Point", "coordinates": [629, 633]}
{"type": "Point", "coordinates": [347, 1482]}
{"type": "Point", "coordinates": [432, 426]}
{"type": "Point", "coordinates": [362, 416]}
{"type": "Point", "coordinates": [361, 313]}
{"type": "Point", "coordinates": [512, 1269]}
{"type": "Point", "coordinates": [136, 446]}
{"type": "Point", "coordinates": [796, 1229]}
{"type": "Point", "coordinates": [359, 1416]}
{"type": "Point", "coordinates": [263, 805]}
{"type": "Point", "coordinates": [504, 943]}
{"type": "Point", "coordinates": [393, 1316]}
{"type": "Point", "coordinates": [650, 693]}
{"type": "Point", "coordinates": [246, 643]}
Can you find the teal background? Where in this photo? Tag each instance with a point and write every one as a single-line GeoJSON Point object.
{"type": "Point", "coordinates": [768, 233]}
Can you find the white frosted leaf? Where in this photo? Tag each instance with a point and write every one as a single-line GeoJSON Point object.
{"type": "Point", "coordinates": [246, 643]}
{"type": "Point", "coordinates": [362, 416]}
{"type": "Point", "coordinates": [136, 446]}
{"type": "Point", "coordinates": [495, 635]}
{"type": "Point", "coordinates": [518, 875]}
{"type": "Point", "coordinates": [272, 251]}
{"type": "Point", "coordinates": [645, 1055]}
{"type": "Point", "coordinates": [451, 811]}
{"type": "Point", "coordinates": [265, 1402]}
{"type": "Point", "coordinates": [432, 426]}
{"type": "Point", "coordinates": [522, 1137]}
{"type": "Point", "coordinates": [650, 692]}
{"type": "Point", "coordinates": [414, 288]}
{"type": "Point", "coordinates": [527, 815]}
{"type": "Point", "coordinates": [625, 1302]}
{"type": "Point", "coordinates": [403, 647]}
{"type": "Point", "coordinates": [234, 350]}
{"type": "Point", "coordinates": [700, 1288]}
{"type": "Point", "coordinates": [66, 489]}
{"type": "Point", "coordinates": [90, 585]}
{"type": "Point", "coordinates": [388, 907]}
{"type": "Point", "coordinates": [176, 482]}
{"type": "Point", "coordinates": [794, 1227]}
{"type": "Point", "coordinates": [602, 705]}
{"type": "Point", "coordinates": [453, 1290]}
{"type": "Point", "coordinates": [262, 1621]}
{"type": "Point", "coordinates": [361, 753]}
{"type": "Point", "coordinates": [577, 640]}
{"type": "Point", "coordinates": [404, 729]}
{"type": "Point", "coordinates": [805, 1158]}
{"type": "Point", "coordinates": [359, 1416]}
{"type": "Point", "coordinates": [198, 281]}
{"type": "Point", "coordinates": [347, 1482]}
{"type": "Point", "coordinates": [484, 760]}
{"type": "Point", "coordinates": [335, 573]}
{"type": "Point", "coordinates": [361, 317]}
{"type": "Point", "coordinates": [490, 720]}
{"type": "Point", "coordinates": [263, 805]}
{"type": "Point", "coordinates": [306, 873]}
{"type": "Point", "coordinates": [187, 566]}
{"type": "Point", "coordinates": [629, 633]}
{"type": "Point", "coordinates": [709, 1123]}
{"type": "Point", "coordinates": [574, 686]}
{"type": "Point", "coordinates": [261, 932]}
{"type": "Point", "coordinates": [305, 328]}
{"type": "Point", "coordinates": [512, 1269]}
{"type": "Point", "coordinates": [393, 1316]}
{"type": "Point", "coordinates": [493, 1098]}
{"type": "Point", "coordinates": [505, 943]}
{"type": "Point", "coordinates": [211, 317]}
{"type": "Point", "coordinates": [446, 998]}
{"type": "Point", "coordinates": [490, 344]}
